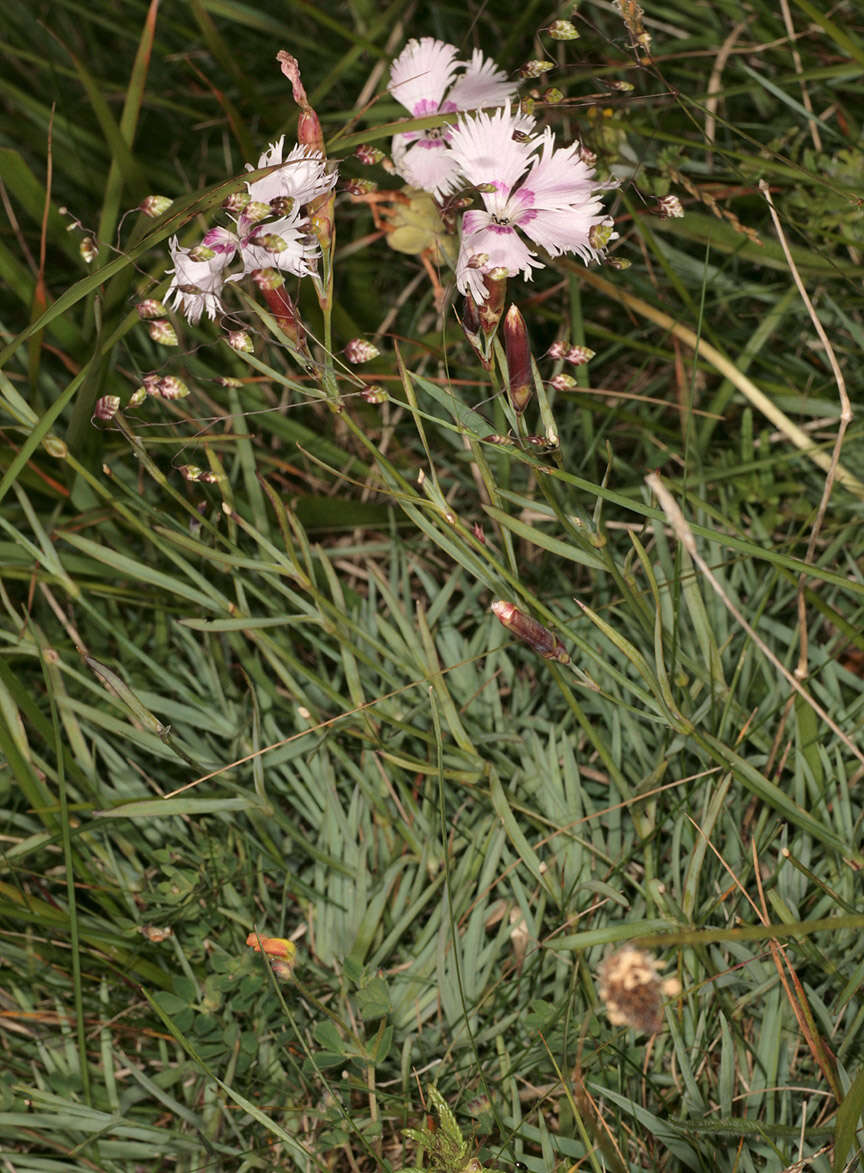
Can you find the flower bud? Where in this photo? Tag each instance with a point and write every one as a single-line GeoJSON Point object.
{"type": "Point", "coordinates": [172, 387]}
{"type": "Point", "coordinates": [282, 307]}
{"type": "Point", "coordinates": [89, 249]}
{"type": "Point", "coordinates": [240, 340]}
{"type": "Point", "coordinates": [154, 206]}
{"type": "Point", "coordinates": [163, 332]}
{"type": "Point", "coordinates": [359, 350]}
{"type": "Point", "coordinates": [544, 642]}
{"type": "Point", "coordinates": [518, 351]}
{"type": "Point", "coordinates": [309, 132]}
{"type": "Point", "coordinates": [150, 307]}
{"type": "Point", "coordinates": [106, 408]}
{"type": "Point", "coordinates": [492, 308]}
{"type": "Point", "coordinates": [562, 30]}
{"type": "Point", "coordinates": [579, 355]}
{"type": "Point", "coordinates": [55, 447]}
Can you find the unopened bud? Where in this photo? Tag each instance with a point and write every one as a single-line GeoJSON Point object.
{"type": "Point", "coordinates": [562, 30]}
{"type": "Point", "coordinates": [544, 642]}
{"type": "Point", "coordinates": [240, 340]}
{"type": "Point", "coordinates": [374, 394]}
{"type": "Point", "coordinates": [536, 68]}
{"type": "Point", "coordinates": [55, 447]}
{"type": "Point", "coordinates": [563, 382]}
{"type": "Point", "coordinates": [236, 202]}
{"type": "Point", "coordinates": [163, 332]}
{"type": "Point", "coordinates": [309, 133]}
{"type": "Point", "coordinates": [368, 155]}
{"type": "Point", "coordinates": [172, 387]}
{"type": "Point", "coordinates": [579, 355]}
{"type": "Point", "coordinates": [492, 308]}
{"type": "Point", "coordinates": [669, 208]}
{"type": "Point", "coordinates": [155, 206]}
{"type": "Point", "coordinates": [359, 350]}
{"type": "Point", "coordinates": [518, 351]}
{"type": "Point", "coordinates": [106, 408]}
{"type": "Point", "coordinates": [150, 308]}
{"type": "Point", "coordinates": [89, 249]}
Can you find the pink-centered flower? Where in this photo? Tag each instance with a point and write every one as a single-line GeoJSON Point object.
{"type": "Point", "coordinates": [427, 78]}
{"type": "Point", "coordinates": [272, 230]}
{"type": "Point", "coordinates": [196, 284]}
{"type": "Point", "coordinates": [535, 190]}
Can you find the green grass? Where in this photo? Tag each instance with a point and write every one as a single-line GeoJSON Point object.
{"type": "Point", "coordinates": [277, 703]}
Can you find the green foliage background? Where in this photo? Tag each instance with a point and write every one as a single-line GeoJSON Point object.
{"type": "Point", "coordinates": [454, 831]}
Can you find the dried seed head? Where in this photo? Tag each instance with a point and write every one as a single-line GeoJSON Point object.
{"type": "Point", "coordinates": [632, 991]}
{"type": "Point", "coordinates": [579, 355]}
{"type": "Point", "coordinates": [562, 382]}
{"type": "Point", "coordinates": [669, 208]}
{"type": "Point", "coordinates": [558, 349]}
{"type": "Point", "coordinates": [89, 249]}
{"type": "Point", "coordinates": [240, 340]}
{"type": "Point", "coordinates": [358, 350]}
{"type": "Point", "coordinates": [106, 408]}
{"type": "Point", "coordinates": [374, 394]}
{"type": "Point", "coordinates": [237, 202]}
{"type": "Point", "coordinates": [163, 332]}
{"type": "Point", "coordinates": [257, 210]}
{"type": "Point", "coordinates": [562, 30]}
{"type": "Point", "coordinates": [536, 68]}
{"type": "Point", "coordinates": [150, 308]}
{"type": "Point", "coordinates": [368, 154]}
{"type": "Point", "coordinates": [154, 206]}
{"type": "Point", "coordinates": [172, 387]}
{"type": "Point", "coordinates": [544, 642]}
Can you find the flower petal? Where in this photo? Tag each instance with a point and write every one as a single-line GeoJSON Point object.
{"type": "Point", "coordinates": [482, 84]}
{"type": "Point", "coordinates": [422, 72]}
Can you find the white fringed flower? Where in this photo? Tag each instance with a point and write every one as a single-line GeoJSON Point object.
{"type": "Point", "coordinates": [197, 284]}
{"type": "Point", "coordinates": [283, 242]}
{"type": "Point", "coordinates": [423, 78]}
{"type": "Point", "coordinates": [546, 192]}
